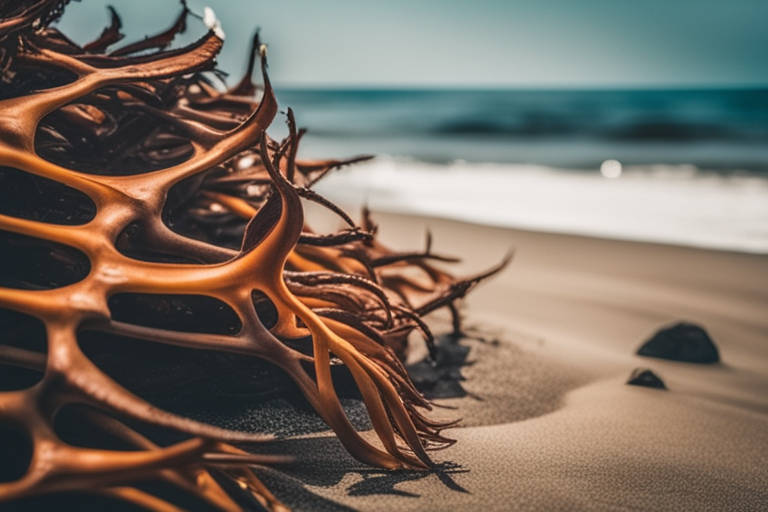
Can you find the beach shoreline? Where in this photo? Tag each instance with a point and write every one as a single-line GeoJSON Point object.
{"type": "Point", "coordinates": [668, 204]}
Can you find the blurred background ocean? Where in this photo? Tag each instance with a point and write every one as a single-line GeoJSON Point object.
{"type": "Point", "coordinates": [640, 121]}
{"type": "Point", "coordinates": [716, 129]}
{"type": "Point", "coordinates": [677, 166]}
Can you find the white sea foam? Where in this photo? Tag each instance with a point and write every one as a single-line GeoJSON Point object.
{"type": "Point", "coordinates": [669, 204]}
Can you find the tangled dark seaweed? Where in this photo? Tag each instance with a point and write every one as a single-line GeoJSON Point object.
{"type": "Point", "coordinates": [130, 181]}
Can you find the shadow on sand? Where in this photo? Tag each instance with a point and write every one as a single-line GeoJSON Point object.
{"type": "Point", "coordinates": [322, 462]}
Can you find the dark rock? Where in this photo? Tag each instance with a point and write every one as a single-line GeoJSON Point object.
{"type": "Point", "coordinates": [646, 378]}
{"type": "Point", "coordinates": [682, 342]}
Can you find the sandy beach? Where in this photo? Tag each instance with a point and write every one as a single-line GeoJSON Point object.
{"type": "Point", "coordinates": [549, 422]}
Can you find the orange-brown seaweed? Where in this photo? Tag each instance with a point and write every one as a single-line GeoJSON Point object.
{"type": "Point", "coordinates": [179, 191]}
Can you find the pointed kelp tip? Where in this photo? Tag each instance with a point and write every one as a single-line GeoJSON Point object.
{"type": "Point", "coordinates": [213, 23]}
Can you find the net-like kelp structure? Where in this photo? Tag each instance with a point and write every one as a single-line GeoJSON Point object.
{"type": "Point", "coordinates": [140, 203]}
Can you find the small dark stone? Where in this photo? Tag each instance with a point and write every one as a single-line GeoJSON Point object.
{"type": "Point", "coordinates": [682, 342]}
{"type": "Point", "coordinates": [646, 378]}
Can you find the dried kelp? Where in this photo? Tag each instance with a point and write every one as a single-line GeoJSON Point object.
{"type": "Point", "coordinates": [142, 203]}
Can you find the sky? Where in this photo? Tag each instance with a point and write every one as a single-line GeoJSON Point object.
{"type": "Point", "coordinates": [482, 43]}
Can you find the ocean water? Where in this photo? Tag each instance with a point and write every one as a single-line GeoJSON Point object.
{"type": "Point", "coordinates": [685, 167]}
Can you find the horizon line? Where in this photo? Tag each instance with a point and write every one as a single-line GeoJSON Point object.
{"type": "Point", "coordinates": [519, 87]}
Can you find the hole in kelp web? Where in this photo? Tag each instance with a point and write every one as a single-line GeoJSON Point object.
{"type": "Point", "coordinates": [28, 79]}
{"type": "Point", "coordinates": [106, 133]}
{"type": "Point", "coordinates": [21, 332]}
{"type": "Point", "coordinates": [31, 197]}
{"type": "Point", "coordinates": [176, 377]}
{"type": "Point", "coordinates": [232, 391]}
{"type": "Point", "coordinates": [15, 454]}
{"type": "Point", "coordinates": [188, 213]}
{"type": "Point", "coordinates": [15, 378]}
{"type": "Point", "coordinates": [265, 309]}
{"type": "Point", "coordinates": [80, 426]}
{"type": "Point", "coordinates": [343, 382]}
{"type": "Point", "coordinates": [30, 263]}
{"type": "Point", "coordinates": [185, 313]}
{"type": "Point", "coordinates": [132, 242]}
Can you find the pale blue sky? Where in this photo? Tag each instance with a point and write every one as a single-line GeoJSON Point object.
{"type": "Point", "coordinates": [486, 43]}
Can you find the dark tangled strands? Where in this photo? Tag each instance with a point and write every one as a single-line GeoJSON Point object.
{"type": "Point", "coordinates": [139, 133]}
